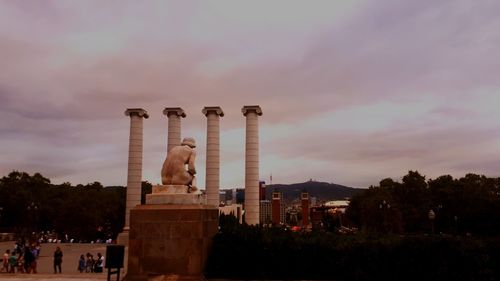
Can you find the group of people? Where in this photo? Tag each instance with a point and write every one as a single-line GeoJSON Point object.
{"type": "Point", "coordinates": [23, 259]}
{"type": "Point", "coordinates": [88, 263]}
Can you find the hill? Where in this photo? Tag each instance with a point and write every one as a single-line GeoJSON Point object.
{"type": "Point", "coordinates": [323, 191]}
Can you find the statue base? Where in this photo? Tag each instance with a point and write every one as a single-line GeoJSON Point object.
{"type": "Point", "coordinates": [170, 189]}
{"type": "Point", "coordinates": [170, 240]}
{"type": "Point", "coordinates": [173, 194]}
{"type": "Point", "coordinates": [122, 238]}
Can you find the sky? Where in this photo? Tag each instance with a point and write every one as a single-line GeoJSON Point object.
{"type": "Point", "coordinates": [352, 92]}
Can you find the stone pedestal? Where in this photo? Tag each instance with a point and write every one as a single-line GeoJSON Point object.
{"type": "Point", "coordinates": [174, 199]}
{"type": "Point", "coordinates": [173, 194]}
{"type": "Point", "coordinates": [170, 240]}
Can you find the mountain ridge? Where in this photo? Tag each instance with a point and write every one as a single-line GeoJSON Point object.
{"type": "Point", "coordinates": [323, 191]}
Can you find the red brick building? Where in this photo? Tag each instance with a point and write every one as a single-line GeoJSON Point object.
{"type": "Point", "coordinates": [304, 197]}
{"type": "Point", "coordinates": [277, 207]}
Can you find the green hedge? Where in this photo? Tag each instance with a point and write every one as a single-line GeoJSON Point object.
{"type": "Point", "coordinates": [256, 253]}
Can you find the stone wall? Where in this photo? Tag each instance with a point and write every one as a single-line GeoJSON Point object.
{"type": "Point", "coordinates": [6, 237]}
{"type": "Point", "coordinates": [170, 239]}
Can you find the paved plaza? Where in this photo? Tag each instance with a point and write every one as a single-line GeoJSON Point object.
{"type": "Point", "coordinates": [71, 254]}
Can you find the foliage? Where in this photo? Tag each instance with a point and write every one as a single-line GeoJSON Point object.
{"type": "Point", "coordinates": [146, 188]}
{"type": "Point", "coordinates": [253, 252]}
{"type": "Point", "coordinates": [32, 203]}
{"type": "Point", "coordinates": [470, 204]}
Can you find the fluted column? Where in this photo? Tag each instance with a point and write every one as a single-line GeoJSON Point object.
{"type": "Point", "coordinates": [212, 177]}
{"type": "Point", "coordinates": [174, 115]}
{"type": "Point", "coordinates": [134, 175]}
{"type": "Point", "coordinates": [252, 163]}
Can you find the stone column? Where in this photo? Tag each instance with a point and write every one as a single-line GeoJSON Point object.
{"type": "Point", "coordinates": [134, 175]}
{"type": "Point", "coordinates": [212, 177]}
{"type": "Point", "coordinates": [174, 115]}
{"type": "Point", "coordinates": [252, 163]}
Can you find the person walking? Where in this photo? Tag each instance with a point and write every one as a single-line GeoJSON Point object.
{"type": "Point", "coordinates": [58, 255]}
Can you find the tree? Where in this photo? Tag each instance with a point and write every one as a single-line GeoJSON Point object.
{"type": "Point", "coordinates": [146, 188]}
{"type": "Point", "coordinates": [413, 201]}
{"type": "Point", "coordinates": [76, 210]}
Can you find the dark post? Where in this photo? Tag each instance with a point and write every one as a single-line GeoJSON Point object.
{"type": "Point", "coordinates": [432, 216]}
{"type": "Point", "coordinates": [114, 260]}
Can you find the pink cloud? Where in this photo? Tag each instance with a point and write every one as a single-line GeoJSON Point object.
{"type": "Point", "coordinates": [69, 70]}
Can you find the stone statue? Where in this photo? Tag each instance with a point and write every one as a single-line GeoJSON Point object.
{"type": "Point", "coordinates": [174, 170]}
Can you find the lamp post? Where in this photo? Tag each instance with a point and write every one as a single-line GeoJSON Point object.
{"type": "Point", "coordinates": [455, 218]}
{"type": "Point", "coordinates": [33, 213]}
{"type": "Point", "coordinates": [108, 230]}
{"type": "Point", "coordinates": [384, 207]}
{"type": "Point", "coordinates": [432, 216]}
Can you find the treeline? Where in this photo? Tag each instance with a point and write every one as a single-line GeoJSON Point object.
{"type": "Point", "coordinates": [395, 241]}
{"type": "Point", "coordinates": [243, 252]}
{"type": "Point", "coordinates": [468, 205]}
{"type": "Point", "coordinates": [30, 203]}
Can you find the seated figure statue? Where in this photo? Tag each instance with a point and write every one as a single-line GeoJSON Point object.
{"type": "Point", "coordinates": [174, 170]}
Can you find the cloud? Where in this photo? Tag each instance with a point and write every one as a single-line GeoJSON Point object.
{"type": "Point", "coordinates": [351, 92]}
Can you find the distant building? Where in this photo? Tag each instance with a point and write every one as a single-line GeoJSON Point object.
{"type": "Point", "coordinates": [291, 215]}
{"type": "Point", "coordinates": [336, 208]}
{"type": "Point", "coordinates": [240, 196]}
{"type": "Point", "coordinates": [304, 198]}
{"type": "Point", "coordinates": [338, 205]}
{"type": "Point", "coordinates": [265, 212]}
{"type": "Point", "coordinates": [227, 196]}
{"type": "Point", "coordinates": [234, 209]}
{"type": "Point", "coordinates": [278, 209]}
{"type": "Point", "coordinates": [222, 198]}
{"type": "Point", "coordinates": [313, 201]}
{"type": "Point", "coordinates": [262, 190]}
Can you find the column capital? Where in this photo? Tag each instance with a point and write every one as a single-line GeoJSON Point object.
{"type": "Point", "coordinates": [136, 111]}
{"type": "Point", "coordinates": [174, 111]}
{"type": "Point", "coordinates": [251, 108]}
{"type": "Point", "coordinates": [208, 109]}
